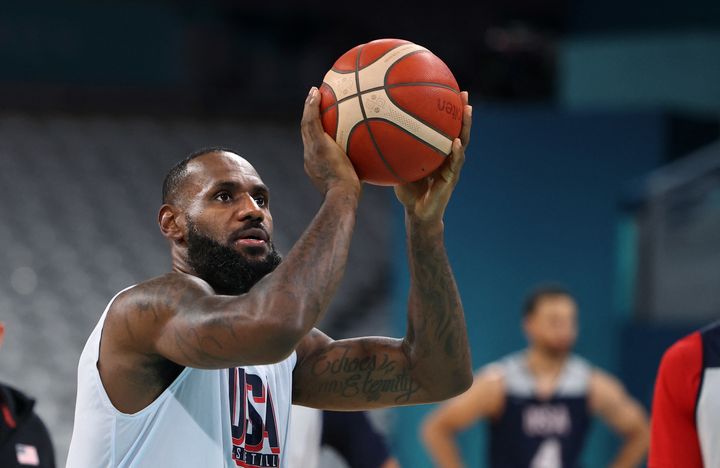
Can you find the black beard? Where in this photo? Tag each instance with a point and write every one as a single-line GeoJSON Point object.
{"type": "Point", "coordinates": [224, 268]}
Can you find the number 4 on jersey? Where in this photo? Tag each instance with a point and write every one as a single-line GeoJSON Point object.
{"type": "Point", "coordinates": [547, 455]}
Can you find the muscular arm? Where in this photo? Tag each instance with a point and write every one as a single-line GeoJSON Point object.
{"type": "Point", "coordinates": [353, 374]}
{"type": "Point", "coordinates": [622, 413]}
{"type": "Point", "coordinates": [485, 399]}
{"type": "Point", "coordinates": [432, 361]}
{"type": "Point", "coordinates": [436, 335]}
{"type": "Point", "coordinates": [178, 317]}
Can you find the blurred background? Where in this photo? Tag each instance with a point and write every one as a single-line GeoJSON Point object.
{"type": "Point", "coordinates": [594, 163]}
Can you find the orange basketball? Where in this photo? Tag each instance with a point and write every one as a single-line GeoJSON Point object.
{"type": "Point", "coordinates": [395, 109]}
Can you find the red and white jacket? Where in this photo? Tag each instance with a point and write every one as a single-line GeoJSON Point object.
{"type": "Point", "coordinates": [686, 404]}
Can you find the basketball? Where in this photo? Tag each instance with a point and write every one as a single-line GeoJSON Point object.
{"type": "Point", "coordinates": [394, 107]}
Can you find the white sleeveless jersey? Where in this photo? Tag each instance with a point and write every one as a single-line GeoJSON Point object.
{"type": "Point", "coordinates": [205, 418]}
{"type": "Point", "coordinates": [305, 437]}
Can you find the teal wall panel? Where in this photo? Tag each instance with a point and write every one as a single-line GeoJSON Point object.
{"type": "Point", "coordinates": [674, 70]}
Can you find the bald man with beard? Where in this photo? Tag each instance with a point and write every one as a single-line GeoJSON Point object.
{"type": "Point", "coordinates": [199, 367]}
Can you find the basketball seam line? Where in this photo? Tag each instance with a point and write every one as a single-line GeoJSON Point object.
{"type": "Point", "coordinates": [392, 65]}
{"type": "Point", "coordinates": [387, 72]}
{"type": "Point", "coordinates": [394, 124]}
{"type": "Point", "coordinates": [418, 119]}
{"type": "Point", "coordinates": [357, 61]}
{"type": "Point", "coordinates": [377, 88]}
{"type": "Point", "coordinates": [422, 121]}
{"type": "Point", "coordinates": [323, 112]}
{"type": "Point", "coordinates": [422, 83]}
{"type": "Point", "coordinates": [367, 125]}
{"type": "Point", "coordinates": [385, 77]}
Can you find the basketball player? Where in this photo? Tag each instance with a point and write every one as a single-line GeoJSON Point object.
{"type": "Point", "coordinates": [24, 439]}
{"type": "Point", "coordinates": [686, 405]}
{"type": "Point", "coordinates": [539, 401]}
{"type": "Point", "coordinates": [199, 367]}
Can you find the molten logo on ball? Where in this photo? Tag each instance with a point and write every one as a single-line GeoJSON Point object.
{"type": "Point", "coordinates": [394, 107]}
{"type": "Point", "coordinates": [450, 108]}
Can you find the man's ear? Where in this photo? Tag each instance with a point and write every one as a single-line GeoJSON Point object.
{"type": "Point", "coordinates": [169, 222]}
{"type": "Point", "coordinates": [2, 333]}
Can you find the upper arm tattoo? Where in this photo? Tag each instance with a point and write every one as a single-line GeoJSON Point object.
{"type": "Point", "coordinates": [160, 313]}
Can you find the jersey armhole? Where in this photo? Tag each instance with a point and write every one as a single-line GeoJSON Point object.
{"type": "Point", "coordinates": [100, 386]}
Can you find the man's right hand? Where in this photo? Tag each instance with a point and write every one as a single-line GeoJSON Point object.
{"type": "Point", "coordinates": [325, 162]}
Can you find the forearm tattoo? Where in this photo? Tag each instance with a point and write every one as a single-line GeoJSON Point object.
{"type": "Point", "coordinates": [436, 323]}
{"type": "Point", "coordinates": [370, 378]}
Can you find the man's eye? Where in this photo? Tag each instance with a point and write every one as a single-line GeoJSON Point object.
{"type": "Point", "coordinates": [260, 200]}
{"type": "Point", "coordinates": [223, 197]}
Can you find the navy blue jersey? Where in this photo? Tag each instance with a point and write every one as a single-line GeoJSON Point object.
{"type": "Point", "coordinates": [541, 433]}
{"type": "Point", "coordinates": [354, 438]}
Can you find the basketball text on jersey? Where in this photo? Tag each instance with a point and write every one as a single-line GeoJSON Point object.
{"type": "Point", "coordinates": [546, 420]}
{"type": "Point", "coordinates": [254, 424]}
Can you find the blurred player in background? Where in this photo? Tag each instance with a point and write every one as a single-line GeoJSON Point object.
{"type": "Point", "coordinates": [686, 404]}
{"type": "Point", "coordinates": [350, 433]}
{"type": "Point", "coordinates": [199, 366]}
{"type": "Point", "coordinates": [539, 401]}
{"type": "Point", "coordinates": [24, 439]}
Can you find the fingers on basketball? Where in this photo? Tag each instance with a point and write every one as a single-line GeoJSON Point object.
{"type": "Point", "coordinates": [466, 121]}
{"type": "Point", "coordinates": [310, 125]}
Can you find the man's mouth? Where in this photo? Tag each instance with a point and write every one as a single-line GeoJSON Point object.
{"type": "Point", "coordinates": [250, 242]}
{"type": "Point", "coordinates": [253, 237]}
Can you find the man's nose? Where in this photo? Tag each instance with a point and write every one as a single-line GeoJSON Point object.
{"type": "Point", "coordinates": [248, 209]}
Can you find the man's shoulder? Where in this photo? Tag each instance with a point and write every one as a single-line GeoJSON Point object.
{"type": "Point", "coordinates": [18, 401]}
{"type": "Point", "coordinates": [686, 351]}
{"type": "Point", "coordinates": [136, 315]}
{"type": "Point", "coordinates": [711, 345]}
{"type": "Point", "coordinates": [31, 434]}
{"type": "Point", "coordinates": [681, 366]}
{"type": "Point", "coordinates": [166, 283]}
{"type": "Point", "coordinates": [36, 428]}
{"type": "Point", "coordinates": [22, 408]}
{"type": "Point", "coordinates": [166, 289]}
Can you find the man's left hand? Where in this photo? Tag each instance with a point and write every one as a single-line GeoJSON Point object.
{"type": "Point", "coordinates": [426, 199]}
